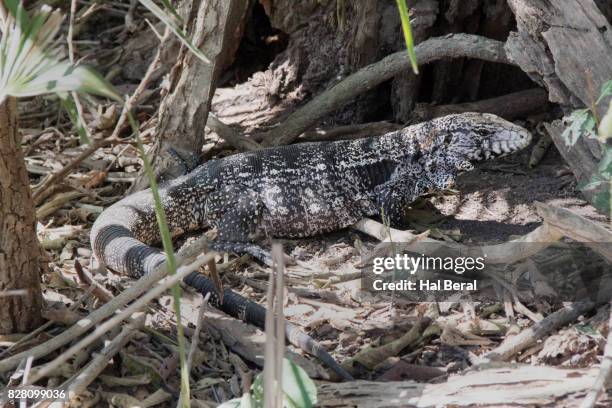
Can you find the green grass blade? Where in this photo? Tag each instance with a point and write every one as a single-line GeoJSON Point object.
{"type": "Point", "coordinates": [172, 10]}
{"type": "Point", "coordinates": [174, 27]}
{"type": "Point", "coordinates": [160, 215]}
{"type": "Point", "coordinates": [69, 105]}
{"type": "Point", "coordinates": [407, 29]}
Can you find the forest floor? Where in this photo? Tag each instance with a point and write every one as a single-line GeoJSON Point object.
{"type": "Point", "coordinates": [496, 201]}
{"type": "Point", "coordinates": [492, 204]}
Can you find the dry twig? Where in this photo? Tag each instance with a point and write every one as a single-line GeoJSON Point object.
{"type": "Point", "coordinates": [508, 252]}
{"type": "Point", "coordinates": [229, 135]}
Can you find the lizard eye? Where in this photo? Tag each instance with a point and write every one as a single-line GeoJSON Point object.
{"type": "Point", "coordinates": [465, 166]}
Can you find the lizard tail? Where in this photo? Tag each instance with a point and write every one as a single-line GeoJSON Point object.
{"type": "Point", "coordinates": [248, 311]}
{"type": "Point", "coordinates": [118, 246]}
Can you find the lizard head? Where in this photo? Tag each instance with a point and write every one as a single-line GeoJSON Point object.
{"type": "Point", "coordinates": [465, 138]}
{"type": "Point", "coordinates": [483, 136]}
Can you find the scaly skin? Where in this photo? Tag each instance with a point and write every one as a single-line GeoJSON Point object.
{"type": "Point", "coordinates": [298, 191]}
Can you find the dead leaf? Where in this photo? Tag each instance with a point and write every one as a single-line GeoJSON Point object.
{"type": "Point", "coordinates": [95, 178]}
{"type": "Point", "coordinates": [107, 119]}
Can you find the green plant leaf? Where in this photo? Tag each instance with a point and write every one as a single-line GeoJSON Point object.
{"type": "Point", "coordinates": [171, 23]}
{"type": "Point", "coordinates": [605, 165]}
{"type": "Point", "coordinates": [601, 201]}
{"type": "Point", "coordinates": [242, 402]}
{"type": "Point", "coordinates": [172, 10]}
{"type": "Point", "coordinates": [581, 123]}
{"type": "Point", "coordinates": [257, 391]}
{"type": "Point", "coordinates": [407, 30]}
{"type": "Point", "coordinates": [605, 126]}
{"type": "Point", "coordinates": [233, 403]}
{"type": "Point", "coordinates": [592, 184]}
{"type": "Point", "coordinates": [166, 238]}
{"type": "Point", "coordinates": [31, 62]}
{"type": "Point", "coordinates": [606, 90]}
{"type": "Point", "coordinates": [300, 391]}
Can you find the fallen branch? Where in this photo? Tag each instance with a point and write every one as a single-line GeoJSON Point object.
{"type": "Point", "coordinates": [187, 254]}
{"type": "Point", "coordinates": [98, 290]}
{"type": "Point", "coordinates": [524, 385]}
{"type": "Point", "coordinates": [578, 228]}
{"type": "Point", "coordinates": [56, 203]}
{"type": "Point", "coordinates": [450, 46]}
{"type": "Point", "coordinates": [371, 356]}
{"type": "Point", "coordinates": [509, 106]}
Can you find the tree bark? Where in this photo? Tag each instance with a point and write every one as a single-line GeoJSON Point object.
{"type": "Point", "coordinates": [566, 46]}
{"type": "Point", "coordinates": [19, 249]}
{"type": "Point", "coordinates": [179, 136]}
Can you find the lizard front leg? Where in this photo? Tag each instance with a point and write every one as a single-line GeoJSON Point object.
{"type": "Point", "coordinates": [236, 213]}
{"type": "Point", "coordinates": [404, 186]}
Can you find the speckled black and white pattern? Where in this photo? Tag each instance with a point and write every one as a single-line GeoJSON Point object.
{"type": "Point", "coordinates": [304, 189]}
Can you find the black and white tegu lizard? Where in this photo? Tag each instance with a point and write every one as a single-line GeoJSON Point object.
{"type": "Point", "coordinates": [298, 191]}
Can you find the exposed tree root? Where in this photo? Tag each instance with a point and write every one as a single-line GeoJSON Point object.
{"type": "Point", "coordinates": [510, 107]}
{"type": "Point", "coordinates": [450, 46]}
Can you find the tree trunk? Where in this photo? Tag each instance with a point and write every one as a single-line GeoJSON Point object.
{"type": "Point", "coordinates": [566, 46]}
{"type": "Point", "coordinates": [179, 136]}
{"type": "Point", "coordinates": [19, 249]}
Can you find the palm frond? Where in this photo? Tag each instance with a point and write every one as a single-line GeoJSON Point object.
{"type": "Point", "coordinates": [32, 62]}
